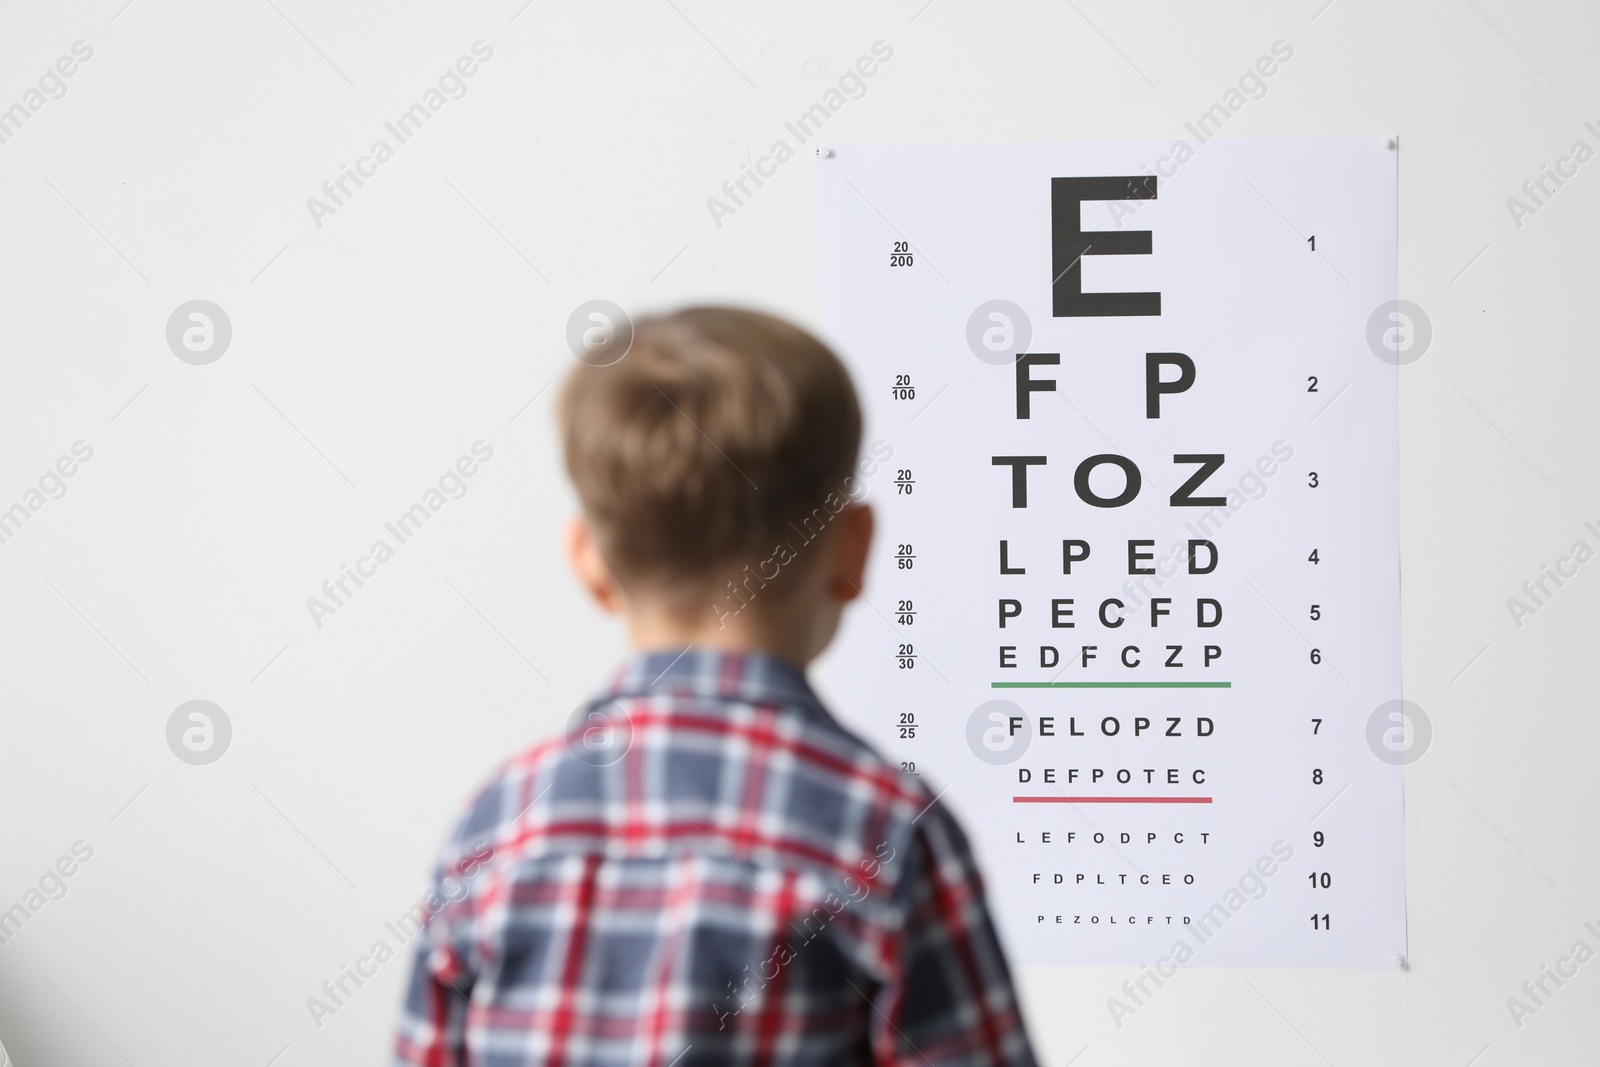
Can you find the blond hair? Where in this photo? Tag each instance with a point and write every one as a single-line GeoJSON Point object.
{"type": "Point", "coordinates": [704, 446]}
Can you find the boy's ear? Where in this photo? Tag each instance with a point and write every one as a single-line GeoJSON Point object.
{"type": "Point", "coordinates": [850, 559]}
{"type": "Point", "coordinates": [590, 566]}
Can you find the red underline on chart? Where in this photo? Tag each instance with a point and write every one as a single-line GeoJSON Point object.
{"type": "Point", "coordinates": [1111, 685]}
{"type": "Point", "coordinates": [1111, 800]}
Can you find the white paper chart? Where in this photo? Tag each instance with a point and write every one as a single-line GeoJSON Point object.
{"type": "Point", "coordinates": [1135, 596]}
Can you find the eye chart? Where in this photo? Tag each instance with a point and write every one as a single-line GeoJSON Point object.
{"type": "Point", "coordinates": [1134, 602]}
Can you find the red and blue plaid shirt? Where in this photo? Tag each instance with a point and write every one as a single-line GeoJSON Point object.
{"type": "Point", "coordinates": [708, 869]}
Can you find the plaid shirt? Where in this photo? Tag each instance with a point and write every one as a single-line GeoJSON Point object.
{"type": "Point", "coordinates": [708, 869]}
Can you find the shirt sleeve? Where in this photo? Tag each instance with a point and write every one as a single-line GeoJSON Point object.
{"type": "Point", "coordinates": [949, 1001]}
{"type": "Point", "coordinates": [432, 1027]}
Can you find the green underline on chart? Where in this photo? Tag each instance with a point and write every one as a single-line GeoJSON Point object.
{"type": "Point", "coordinates": [1111, 685]}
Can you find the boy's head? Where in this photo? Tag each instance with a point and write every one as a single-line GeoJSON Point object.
{"type": "Point", "coordinates": [716, 466]}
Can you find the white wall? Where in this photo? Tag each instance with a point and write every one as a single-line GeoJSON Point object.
{"type": "Point", "coordinates": [428, 312]}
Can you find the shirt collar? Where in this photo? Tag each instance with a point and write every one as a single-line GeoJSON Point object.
{"type": "Point", "coordinates": [747, 675]}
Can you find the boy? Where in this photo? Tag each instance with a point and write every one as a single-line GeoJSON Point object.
{"type": "Point", "coordinates": [709, 869]}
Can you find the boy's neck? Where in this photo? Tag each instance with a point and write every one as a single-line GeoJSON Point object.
{"type": "Point", "coordinates": [784, 637]}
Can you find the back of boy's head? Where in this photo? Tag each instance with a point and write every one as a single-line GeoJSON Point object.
{"type": "Point", "coordinates": [707, 445]}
